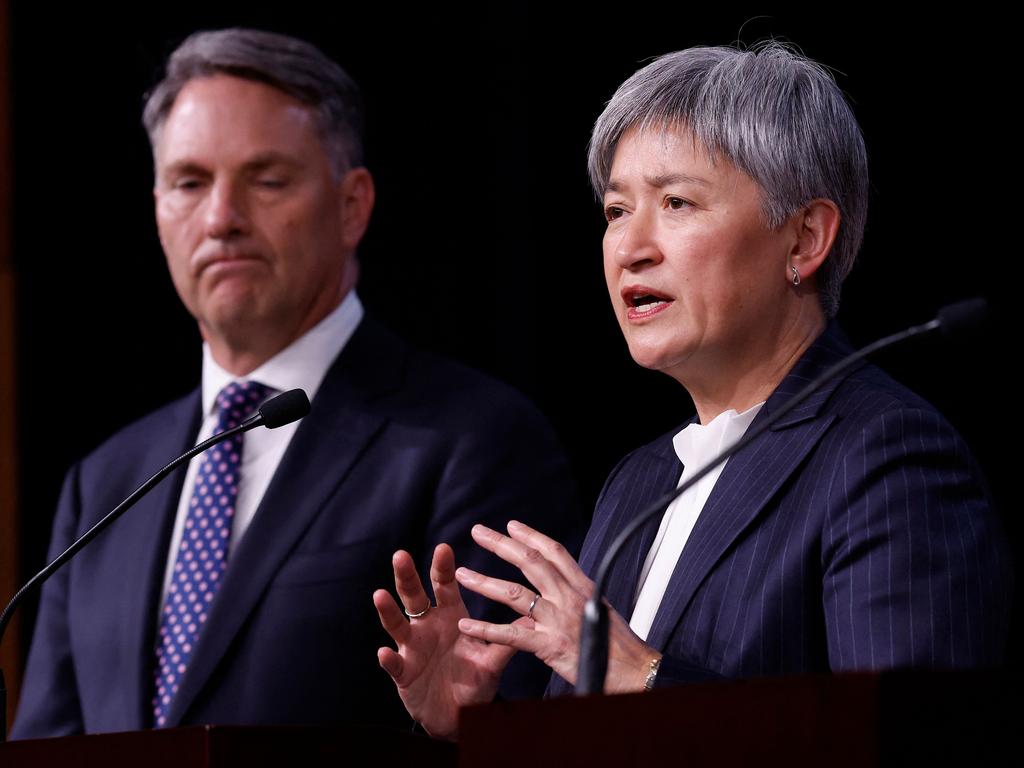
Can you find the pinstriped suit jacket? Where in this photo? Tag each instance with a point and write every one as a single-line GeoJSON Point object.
{"type": "Point", "coordinates": [855, 534]}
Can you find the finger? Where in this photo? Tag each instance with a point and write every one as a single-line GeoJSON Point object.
{"type": "Point", "coordinates": [554, 553]}
{"type": "Point", "coordinates": [513, 635]}
{"type": "Point", "coordinates": [515, 596]}
{"type": "Point", "coordinates": [391, 662]}
{"type": "Point", "coordinates": [407, 582]}
{"type": "Point", "coordinates": [529, 560]}
{"type": "Point", "coordinates": [442, 576]}
{"type": "Point", "coordinates": [391, 616]}
{"type": "Point", "coordinates": [495, 656]}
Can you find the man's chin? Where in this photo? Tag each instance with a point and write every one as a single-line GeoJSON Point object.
{"type": "Point", "coordinates": [236, 324]}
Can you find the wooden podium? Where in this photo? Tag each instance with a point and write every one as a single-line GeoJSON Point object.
{"type": "Point", "coordinates": [224, 746]}
{"type": "Point", "coordinates": [893, 718]}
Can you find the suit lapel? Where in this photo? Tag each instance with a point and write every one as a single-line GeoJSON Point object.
{"type": "Point", "coordinates": [658, 475]}
{"type": "Point", "coordinates": [652, 473]}
{"type": "Point", "coordinates": [146, 529]}
{"type": "Point", "coordinates": [751, 478]}
{"type": "Point", "coordinates": [327, 443]}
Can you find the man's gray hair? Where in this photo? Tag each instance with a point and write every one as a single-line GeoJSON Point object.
{"type": "Point", "coordinates": [774, 114]}
{"type": "Point", "coordinates": [286, 63]}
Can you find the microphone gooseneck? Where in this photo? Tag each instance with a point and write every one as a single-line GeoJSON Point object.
{"type": "Point", "coordinates": [276, 412]}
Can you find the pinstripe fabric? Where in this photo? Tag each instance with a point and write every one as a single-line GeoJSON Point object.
{"type": "Point", "coordinates": [856, 534]}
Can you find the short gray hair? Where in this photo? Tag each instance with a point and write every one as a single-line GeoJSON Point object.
{"type": "Point", "coordinates": [286, 63]}
{"type": "Point", "coordinates": [774, 114]}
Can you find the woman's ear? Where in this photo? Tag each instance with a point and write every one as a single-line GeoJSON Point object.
{"type": "Point", "coordinates": [816, 225]}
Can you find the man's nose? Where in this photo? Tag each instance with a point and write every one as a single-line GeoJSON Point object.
{"type": "Point", "coordinates": [226, 213]}
{"type": "Point", "coordinates": [634, 244]}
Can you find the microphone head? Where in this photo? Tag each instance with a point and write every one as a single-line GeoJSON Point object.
{"type": "Point", "coordinates": [284, 408]}
{"type": "Point", "coordinates": [964, 318]}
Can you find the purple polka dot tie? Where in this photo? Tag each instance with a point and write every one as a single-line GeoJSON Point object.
{"type": "Point", "coordinates": [203, 551]}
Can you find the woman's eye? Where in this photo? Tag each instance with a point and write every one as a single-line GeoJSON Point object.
{"type": "Point", "coordinates": [612, 212]}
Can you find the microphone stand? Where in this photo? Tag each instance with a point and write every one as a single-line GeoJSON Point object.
{"type": "Point", "coordinates": [284, 408]}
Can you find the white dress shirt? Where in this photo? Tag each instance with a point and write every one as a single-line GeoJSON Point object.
{"type": "Point", "coordinates": [303, 365]}
{"type": "Point", "coordinates": [695, 446]}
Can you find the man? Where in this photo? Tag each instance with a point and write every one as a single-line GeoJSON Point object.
{"type": "Point", "coordinates": [238, 591]}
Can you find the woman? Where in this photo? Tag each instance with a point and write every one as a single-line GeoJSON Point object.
{"type": "Point", "coordinates": [855, 534]}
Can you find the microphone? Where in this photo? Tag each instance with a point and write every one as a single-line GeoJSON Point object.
{"type": "Point", "coordinates": [965, 318]}
{"type": "Point", "coordinates": [276, 412]}
{"type": "Point", "coordinates": [953, 320]}
{"type": "Point", "coordinates": [284, 408]}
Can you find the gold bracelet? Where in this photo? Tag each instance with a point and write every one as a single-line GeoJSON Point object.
{"type": "Point", "coordinates": [652, 673]}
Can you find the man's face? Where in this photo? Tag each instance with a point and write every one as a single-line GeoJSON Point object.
{"type": "Point", "coordinates": [257, 231]}
{"type": "Point", "coordinates": [696, 279]}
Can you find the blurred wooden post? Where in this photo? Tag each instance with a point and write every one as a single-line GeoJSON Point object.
{"type": "Point", "coordinates": [10, 650]}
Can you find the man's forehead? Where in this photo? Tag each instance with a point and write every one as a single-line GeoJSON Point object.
{"type": "Point", "coordinates": [226, 116]}
{"type": "Point", "coordinates": [223, 96]}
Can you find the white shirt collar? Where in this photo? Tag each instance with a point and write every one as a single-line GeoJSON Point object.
{"type": "Point", "coordinates": [698, 443]}
{"type": "Point", "coordinates": [301, 365]}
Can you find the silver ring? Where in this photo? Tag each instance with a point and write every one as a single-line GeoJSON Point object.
{"type": "Point", "coordinates": [420, 614]}
{"type": "Point", "coordinates": [529, 613]}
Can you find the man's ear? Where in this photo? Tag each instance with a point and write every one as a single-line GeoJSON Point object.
{"type": "Point", "coordinates": [356, 195]}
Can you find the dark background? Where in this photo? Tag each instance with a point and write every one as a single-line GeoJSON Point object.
{"type": "Point", "coordinates": [485, 243]}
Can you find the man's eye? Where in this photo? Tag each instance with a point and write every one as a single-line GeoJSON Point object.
{"type": "Point", "coordinates": [187, 184]}
{"type": "Point", "coordinates": [678, 203]}
{"type": "Point", "coordinates": [271, 182]}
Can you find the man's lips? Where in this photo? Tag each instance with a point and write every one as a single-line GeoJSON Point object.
{"type": "Point", "coordinates": [217, 261]}
{"type": "Point", "coordinates": [643, 302]}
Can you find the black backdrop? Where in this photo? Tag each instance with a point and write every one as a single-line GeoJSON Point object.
{"type": "Point", "coordinates": [485, 243]}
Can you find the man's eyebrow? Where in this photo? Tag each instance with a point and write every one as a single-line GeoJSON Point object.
{"type": "Point", "coordinates": [183, 167]}
{"type": "Point", "coordinates": [256, 163]}
{"type": "Point", "coordinates": [268, 159]}
{"type": "Point", "coordinates": [661, 180]}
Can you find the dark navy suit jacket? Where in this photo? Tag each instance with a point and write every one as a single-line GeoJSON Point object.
{"type": "Point", "coordinates": [856, 534]}
{"type": "Point", "coordinates": [400, 450]}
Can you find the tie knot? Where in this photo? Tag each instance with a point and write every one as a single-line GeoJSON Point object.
{"type": "Point", "coordinates": [239, 400]}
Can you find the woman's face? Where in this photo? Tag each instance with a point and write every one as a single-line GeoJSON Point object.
{"type": "Point", "coordinates": [695, 277]}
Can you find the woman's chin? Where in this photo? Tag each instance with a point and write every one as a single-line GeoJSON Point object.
{"type": "Point", "coordinates": [657, 360]}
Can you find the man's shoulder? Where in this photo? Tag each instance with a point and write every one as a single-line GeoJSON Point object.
{"type": "Point", "coordinates": [462, 388]}
{"type": "Point", "coordinates": [425, 386]}
{"type": "Point", "coordinates": [178, 414]}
